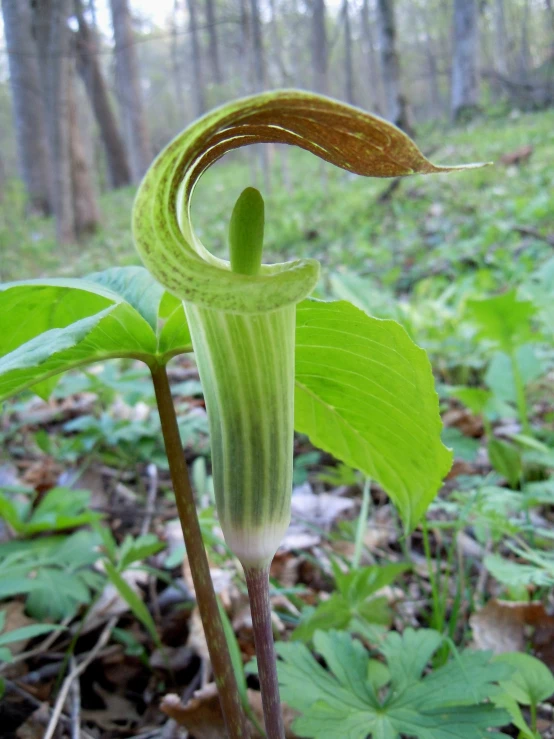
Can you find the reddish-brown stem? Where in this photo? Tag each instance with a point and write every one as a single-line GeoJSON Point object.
{"type": "Point", "coordinates": [257, 581]}
{"type": "Point", "coordinates": [229, 696]}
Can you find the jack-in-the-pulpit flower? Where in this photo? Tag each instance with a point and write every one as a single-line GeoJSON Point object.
{"type": "Point", "coordinates": [242, 313]}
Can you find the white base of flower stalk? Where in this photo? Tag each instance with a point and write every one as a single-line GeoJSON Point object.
{"type": "Point", "coordinates": [255, 547]}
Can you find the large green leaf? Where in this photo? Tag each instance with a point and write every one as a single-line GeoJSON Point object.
{"type": "Point", "coordinates": [54, 325]}
{"type": "Point", "coordinates": [340, 701]}
{"type": "Point", "coordinates": [365, 393]}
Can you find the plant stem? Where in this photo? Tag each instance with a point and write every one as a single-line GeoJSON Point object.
{"type": "Point", "coordinates": [362, 525]}
{"type": "Point", "coordinates": [520, 396]}
{"type": "Point", "coordinates": [229, 696]}
{"type": "Point", "coordinates": [257, 581]}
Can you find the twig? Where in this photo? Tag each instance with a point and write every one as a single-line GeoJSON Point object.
{"type": "Point", "coordinates": [75, 673]}
{"type": "Point", "coordinates": [152, 472]}
{"type": "Point", "coordinates": [75, 715]}
{"type": "Point", "coordinates": [229, 695]}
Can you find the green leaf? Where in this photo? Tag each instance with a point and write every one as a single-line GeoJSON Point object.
{"type": "Point", "coordinates": [55, 325]}
{"type": "Point", "coordinates": [139, 610]}
{"type": "Point", "coordinates": [342, 702]}
{"type": "Point", "coordinates": [503, 319]}
{"type": "Point", "coordinates": [27, 632]}
{"type": "Point", "coordinates": [136, 286]}
{"type": "Point", "coordinates": [531, 681]}
{"type": "Point", "coordinates": [515, 575]}
{"type": "Point", "coordinates": [506, 459]}
{"type": "Point", "coordinates": [134, 550]}
{"type": "Point", "coordinates": [365, 393]}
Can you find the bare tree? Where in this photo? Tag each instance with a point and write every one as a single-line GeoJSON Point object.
{"type": "Point", "coordinates": [370, 59]}
{"type": "Point", "coordinates": [257, 46]}
{"type": "Point", "coordinates": [32, 147]}
{"type": "Point", "coordinates": [465, 77]}
{"type": "Point", "coordinates": [196, 59]}
{"type": "Point", "coordinates": [176, 65]}
{"type": "Point", "coordinates": [85, 207]}
{"type": "Point", "coordinates": [54, 49]}
{"type": "Point", "coordinates": [319, 47]}
{"type": "Point", "coordinates": [500, 38]}
{"type": "Point", "coordinates": [348, 63]}
{"type": "Point", "coordinates": [213, 38]}
{"type": "Point", "coordinates": [390, 65]}
{"type": "Point", "coordinates": [129, 91]}
{"type": "Point", "coordinates": [87, 63]}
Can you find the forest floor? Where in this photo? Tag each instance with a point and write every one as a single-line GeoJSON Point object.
{"type": "Point", "coordinates": [480, 570]}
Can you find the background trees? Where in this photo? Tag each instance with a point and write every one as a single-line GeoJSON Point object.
{"type": "Point", "coordinates": [146, 69]}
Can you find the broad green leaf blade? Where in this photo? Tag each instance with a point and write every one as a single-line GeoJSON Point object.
{"type": "Point", "coordinates": [55, 325]}
{"type": "Point", "coordinates": [136, 286]}
{"type": "Point", "coordinates": [340, 134]}
{"type": "Point", "coordinates": [116, 331]}
{"type": "Point", "coordinates": [173, 334]}
{"type": "Point", "coordinates": [365, 393]}
{"type": "Point", "coordinates": [531, 681]}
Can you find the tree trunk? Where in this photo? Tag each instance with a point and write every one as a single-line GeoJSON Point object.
{"type": "Point", "coordinates": [30, 130]}
{"type": "Point", "coordinates": [465, 77]}
{"type": "Point", "coordinates": [177, 67]}
{"type": "Point", "coordinates": [370, 60]}
{"type": "Point", "coordinates": [348, 64]}
{"type": "Point", "coordinates": [54, 50]}
{"type": "Point", "coordinates": [500, 39]}
{"type": "Point", "coordinates": [129, 91]}
{"type": "Point", "coordinates": [319, 47]}
{"type": "Point", "coordinates": [85, 208]}
{"type": "Point", "coordinates": [257, 47]}
{"type": "Point", "coordinates": [196, 60]}
{"type": "Point", "coordinates": [87, 63]}
{"type": "Point", "coordinates": [390, 66]}
{"type": "Point", "coordinates": [213, 37]}
{"type": "Point", "coordinates": [525, 52]}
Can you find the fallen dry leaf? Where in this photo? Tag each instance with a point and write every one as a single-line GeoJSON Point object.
{"type": "Point", "coordinates": [504, 626]}
{"type": "Point", "coordinates": [202, 715]}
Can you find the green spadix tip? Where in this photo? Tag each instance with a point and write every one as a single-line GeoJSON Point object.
{"type": "Point", "coordinates": [246, 232]}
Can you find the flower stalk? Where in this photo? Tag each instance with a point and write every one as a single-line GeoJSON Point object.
{"type": "Point", "coordinates": [235, 721]}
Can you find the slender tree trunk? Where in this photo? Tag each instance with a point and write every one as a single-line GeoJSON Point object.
{"type": "Point", "coordinates": [129, 91]}
{"type": "Point", "coordinates": [176, 66]}
{"type": "Point", "coordinates": [465, 65]}
{"type": "Point", "coordinates": [348, 63]}
{"type": "Point", "coordinates": [196, 60]}
{"type": "Point", "coordinates": [54, 50]}
{"type": "Point", "coordinates": [371, 63]}
{"type": "Point", "coordinates": [257, 46]}
{"type": "Point", "coordinates": [87, 64]}
{"type": "Point", "coordinates": [213, 38]}
{"type": "Point", "coordinates": [500, 39]}
{"type": "Point", "coordinates": [85, 207]}
{"type": "Point", "coordinates": [390, 64]}
{"type": "Point", "coordinates": [32, 146]}
{"type": "Point", "coordinates": [525, 52]}
{"type": "Point", "coordinates": [319, 47]}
